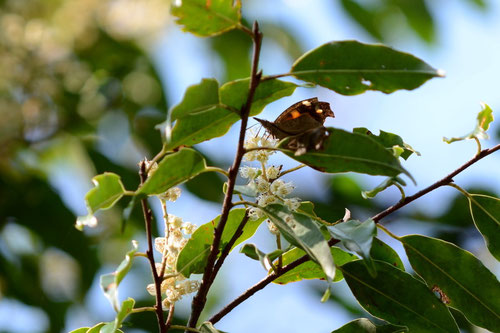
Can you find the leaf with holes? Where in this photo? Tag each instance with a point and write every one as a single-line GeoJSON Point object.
{"type": "Point", "coordinates": [207, 17]}
{"type": "Point", "coordinates": [389, 141]}
{"type": "Point", "coordinates": [468, 285]}
{"type": "Point", "coordinates": [483, 121]}
{"type": "Point", "coordinates": [397, 297]}
{"type": "Point", "coordinates": [351, 68]}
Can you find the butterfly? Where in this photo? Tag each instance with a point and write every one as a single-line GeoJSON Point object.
{"type": "Point", "coordinates": [303, 121]}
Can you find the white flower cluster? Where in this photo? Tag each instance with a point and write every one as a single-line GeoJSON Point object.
{"type": "Point", "coordinates": [256, 142]}
{"type": "Point", "coordinates": [174, 285]}
{"type": "Point", "coordinates": [265, 180]}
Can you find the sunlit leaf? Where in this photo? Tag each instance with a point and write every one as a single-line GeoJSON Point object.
{"type": "Point", "coordinates": [125, 309]}
{"type": "Point", "coordinates": [351, 68]}
{"type": "Point", "coordinates": [310, 269]}
{"type": "Point", "coordinates": [302, 231]}
{"type": "Point", "coordinates": [364, 325]}
{"type": "Point", "coordinates": [398, 298]}
{"type": "Point", "coordinates": [388, 182]}
{"type": "Point", "coordinates": [485, 212]}
{"type": "Point", "coordinates": [365, 17]}
{"type": "Point", "coordinates": [208, 327]}
{"type": "Point", "coordinates": [207, 18]}
{"type": "Point", "coordinates": [173, 170]}
{"type": "Point", "coordinates": [344, 152]}
{"type": "Point", "coordinates": [109, 282]}
{"type": "Point", "coordinates": [467, 285]}
{"type": "Point", "coordinates": [483, 121]}
{"type": "Point", "coordinates": [357, 236]}
{"type": "Point", "coordinates": [193, 257]}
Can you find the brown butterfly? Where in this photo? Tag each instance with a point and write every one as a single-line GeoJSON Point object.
{"type": "Point", "coordinates": [303, 121]}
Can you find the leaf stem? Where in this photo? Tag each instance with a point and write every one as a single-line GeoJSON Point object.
{"type": "Point", "coordinates": [384, 229]}
{"type": "Point", "coordinates": [209, 274]}
{"type": "Point", "coordinates": [291, 170]}
{"type": "Point", "coordinates": [143, 309]}
{"type": "Point", "coordinates": [156, 279]}
{"type": "Point", "coordinates": [216, 169]}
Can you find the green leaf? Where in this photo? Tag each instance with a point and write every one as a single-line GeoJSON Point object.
{"type": "Point", "coordinates": [249, 190]}
{"type": "Point", "coordinates": [485, 211]}
{"type": "Point", "coordinates": [110, 282]}
{"type": "Point", "coordinates": [208, 327]}
{"type": "Point", "coordinates": [468, 285]}
{"type": "Point", "coordinates": [235, 93]}
{"type": "Point", "coordinates": [193, 257]}
{"type": "Point", "coordinates": [311, 270]}
{"type": "Point", "coordinates": [398, 298]}
{"type": "Point", "coordinates": [344, 152]}
{"type": "Point", "coordinates": [207, 18]}
{"type": "Point", "coordinates": [364, 325]}
{"type": "Point", "coordinates": [483, 121]}
{"type": "Point", "coordinates": [303, 232]}
{"type": "Point", "coordinates": [388, 182]}
{"type": "Point", "coordinates": [307, 207]}
{"type": "Point", "coordinates": [383, 252]}
{"type": "Point", "coordinates": [357, 237]}
{"type": "Point", "coordinates": [351, 68]}
{"type": "Point", "coordinates": [173, 170]}
{"type": "Point", "coordinates": [125, 310]}
{"type": "Point", "coordinates": [367, 19]}
{"type": "Point", "coordinates": [98, 328]}
{"type": "Point", "coordinates": [266, 259]}
{"type": "Point", "coordinates": [419, 18]}
{"type": "Point", "coordinates": [389, 140]}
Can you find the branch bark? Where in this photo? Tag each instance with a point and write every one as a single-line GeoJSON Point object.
{"type": "Point", "coordinates": [209, 274]}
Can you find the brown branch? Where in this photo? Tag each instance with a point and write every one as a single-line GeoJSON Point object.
{"type": "Point", "coordinates": [273, 276]}
{"type": "Point", "coordinates": [200, 298]}
{"type": "Point", "coordinates": [156, 279]}
{"type": "Point", "coordinates": [170, 317]}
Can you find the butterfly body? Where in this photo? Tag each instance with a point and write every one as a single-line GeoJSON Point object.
{"type": "Point", "coordinates": [299, 118]}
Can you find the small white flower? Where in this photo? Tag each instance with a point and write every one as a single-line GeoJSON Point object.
{"type": "Point", "coordinates": [152, 167]}
{"type": "Point", "coordinates": [268, 141]}
{"type": "Point", "coordinates": [255, 213]}
{"type": "Point", "coordinates": [261, 184]}
{"type": "Point", "coordinates": [249, 172]}
{"type": "Point", "coordinates": [292, 204]}
{"type": "Point", "coordinates": [252, 142]}
{"type": "Point", "coordinates": [272, 228]}
{"type": "Point", "coordinates": [273, 172]}
{"type": "Point", "coordinates": [172, 194]}
{"type": "Point", "coordinates": [187, 287]}
{"type": "Point", "coordinates": [174, 221]}
{"type": "Point", "coordinates": [87, 220]}
{"type": "Point", "coordinates": [188, 228]}
{"type": "Point", "coordinates": [160, 243]}
{"type": "Point", "coordinates": [266, 199]}
{"type": "Point", "coordinates": [280, 188]}
{"type": "Point", "coordinates": [173, 295]}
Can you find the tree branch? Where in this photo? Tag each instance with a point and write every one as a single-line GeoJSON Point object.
{"type": "Point", "coordinates": [149, 253]}
{"type": "Point", "coordinates": [200, 298]}
{"type": "Point", "coordinates": [273, 276]}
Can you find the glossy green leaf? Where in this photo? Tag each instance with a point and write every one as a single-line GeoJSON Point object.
{"type": "Point", "coordinates": [303, 232]}
{"type": "Point", "coordinates": [344, 152]}
{"type": "Point", "coordinates": [193, 257]}
{"type": "Point", "coordinates": [110, 282]}
{"type": "Point", "coordinates": [125, 309]}
{"type": "Point", "coordinates": [468, 285]}
{"type": "Point", "coordinates": [207, 18]}
{"type": "Point", "coordinates": [483, 121]}
{"type": "Point", "coordinates": [311, 270]}
{"type": "Point", "coordinates": [235, 93]}
{"type": "Point", "coordinates": [389, 140]}
{"type": "Point", "coordinates": [357, 236]}
{"type": "Point", "coordinates": [199, 116]}
{"type": "Point", "coordinates": [364, 325]}
{"type": "Point", "coordinates": [383, 252]}
{"type": "Point", "coordinates": [485, 211]}
{"type": "Point", "coordinates": [266, 259]}
{"type": "Point", "coordinates": [173, 170]}
{"type": "Point", "coordinates": [351, 68]}
{"type": "Point", "coordinates": [398, 298]}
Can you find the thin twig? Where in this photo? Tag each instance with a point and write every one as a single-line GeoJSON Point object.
{"type": "Point", "coordinates": [273, 276]}
{"type": "Point", "coordinates": [170, 317]}
{"type": "Point", "coordinates": [156, 279]}
{"type": "Point", "coordinates": [200, 298]}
